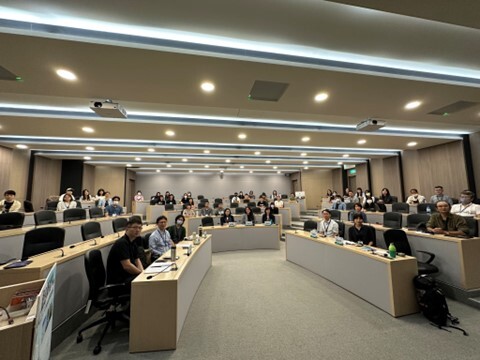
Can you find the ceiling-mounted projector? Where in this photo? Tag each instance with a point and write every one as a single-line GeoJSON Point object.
{"type": "Point", "coordinates": [107, 108]}
{"type": "Point", "coordinates": [370, 125]}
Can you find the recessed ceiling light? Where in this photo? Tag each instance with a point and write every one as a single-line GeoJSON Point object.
{"type": "Point", "coordinates": [90, 148]}
{"type": "Point", "coordinates": [207, 86]}
{"type": "Point", "coordinates": [151, 150]}
{"type": "Point", "coordinates": [129, 165]}
{"type": "Point", "coordinates": [413, 105]}
{"type": "Point", "coordinates": [267, 161]}
{"type": "Point", "coordinates": [158, 170]}
{"type": "Point", "coordinates": [242, 136]}
{"type": "Point", "coordinates": [21, 146]}
{"type": "Point", "coordinates": [306, 167]}
{"type": "Point", "coordinates": [88, 129]}
{"type": "Point", "coordinates": [305, 162]}
{"type": "Point", "coordinates": [242, 167]}
{"type": "Point", "coordinates": [184, 159]}
{"type": "Point", "coordinates": [306, 139]}
{"type": "Point", "coordinates": [206, 151]}
{"type": "Point", "coordinates": [251, 171]}
{"type": "Point", "coordinates": [207, 166]}
{"type": "Point", "coordinates": [345, 155]}
{"type": "Point", "coordinates": [228, 160]}
{"type": "Point", "coordinates": [221, 171]}
{"type": "Point", "coordinates": [87, 158]}
{"type": "Point", "coordinates": [321, 97]}
{"type": "Point", "coordinates": [67, 75]}
{"type": "Point", "coordinates": [412, 143]}
{"type": "Point", "coordinates": [170, 133]}
{"type": "Point", "coordinates": [361, 141]}
{"type": "Point", "coordinates": [190, 171]}
{"type": "Point", "coordinates": [303, 154]}
{"type": "Point", "coordinates": [138, 159]}
{"type": "Point", "coordinates": [258, 153]}
{"type": "Point", "coordinates": [275, 167]}
{"type": "Point", "coordinates": [279, 172]}
{"type": "Point", "coordinates": [169, 165]}
{"type": "Point", "coordinates": [340, 163]}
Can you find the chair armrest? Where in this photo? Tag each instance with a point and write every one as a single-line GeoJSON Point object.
{"type": "Point", "coordinates": [112, 286]}
{"type": "Point", "coordinates": [429, 260]}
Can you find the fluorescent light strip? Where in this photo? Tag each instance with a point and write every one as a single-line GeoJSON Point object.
{"type": "Point", "coordinates": [182, 165]}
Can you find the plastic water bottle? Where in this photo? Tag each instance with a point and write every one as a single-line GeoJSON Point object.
{"type": "Point", "coordinates": [392, 250]}
{"type": "Point", "coordinates": [429, 210]}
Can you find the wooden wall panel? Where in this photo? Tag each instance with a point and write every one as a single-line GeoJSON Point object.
{"type": "Point", "coordinates": [411, 177]}
{"type": "Point", "coordinates": [88, 181]}
{"type": "Point", "coordinates": [6, 166]}
{"type": "Point", "coordinates": [111, 179]}
{"type": "Point", "coordinates": [46, 180]}
{"type": "Point", "coordinates": [19, 173]}
{"type": "Point", "coordinates": [362, 176]}
{"type": "Point", "coordinates": [337, 183]}
{"type": "Point", "coordinates": [377, 173]}
{"type": "Point", "coordinates": [475, 147]}
{"type": "Point", "coordinates": [315, 184]}
{"type": "Point", "coordinates": [391, 176]}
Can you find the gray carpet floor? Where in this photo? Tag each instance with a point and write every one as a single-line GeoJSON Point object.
{"type": "Point", "coordinates": [256, 305]}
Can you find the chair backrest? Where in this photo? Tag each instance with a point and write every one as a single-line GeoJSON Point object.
{"type": "Point", "coordinates": [96, 212]}
{"type": "Point", "coordinates": [169, 206]}
{"type": "Point", "coordinates": [400, 240]}
{"type": "Point", "coordinates": [392, 220]}
{"type": "Point", "coordinates": [256, 210]}
{"type": "Point", "coordinates": [28, 206]}
{"type": "Point", "coordinates": [394, 199]}
{"type": "Point", "coordinates": [230, 197]}
{"type": "Point", "coordinates": [373, 234]}
{"type": "Point", "coordinates": [401, 208]}
{"type": "Point", "coordinates": [74, 214]}
{"type": "Point", "coordinates": [284, 196]}
{"type": "Point", "coordinates": [200, 197]}
{"type": "Point", "coordinates": [91, 230]}
{"type": "Point", "coordinates": [51, 205]}
{"type": "Point", "coordinates": [145, 239]}
{"type": "Point", "coordinates": [41, 240]}
{"type": "Point", "coordinates": [455, 201]}
{"type": "Point", "coordinates": [341, 229]}
{"type": "Point", "coordinates": [200, 205]}
{"type": "Point", "coordinates": [119, 224]}
{"type": "Point", "coordinates": [309, 225]}
{"type": "Point", "coordinates": [95, 272]}
{"type": "Point", "coordinates": [207, 221]}
{"type": "Point", "coordinates": [240, 210]}
{"type": "Point", "coordinates": [422, 208]}
{"type": "Point", "coordinates": [11, 220]}
{"type": "Point", "coordinates": [218, 200]}
{"type": "Point", "coordinates": [136, 217]}
{"type": "Point", "coordinates": [44, 217]}
{"type": "Point", "coordinates": [350, 205]}
{"type": "Point", "coordinates": [336, 214]}
{"type": "Point", "coordinates": [203, 201]}
{"type": "Point", "coordinates": [234, 205]}
{"type": "Point", "coordinates": [252, 203]}
{"type": "Point", "coordinates": [414, 219]}
{"type": "Point", "coordinates": [472, 226]}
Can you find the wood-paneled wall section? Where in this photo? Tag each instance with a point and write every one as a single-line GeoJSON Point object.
{"type": "Point", "coordinates": [88, 181]}
{"type": "Point", "coordinates": [296, 176]}
{"type": "Point", "coordinates": [14, 175]}
{"type": "Point", "coordinates": [111, 179]}
{"type": "Point", "coordinates": [378, 180]}
{"type": "Point", "coordinates": [362, 176]}
{"type": "Point", "coordinates": [46, 180]}
{"type": "Point", "coordinates": [391, 176]}
{"type": "Point", "coordinates": [475, 147]}
{"type": "Point", "coordinates": [442, 165]}
{"type": "Point", "coordinates": [411, 178]}
{"type": "Point", "coordinates": [6, 159]}
{"type": "Point", "coordinates": [315, 184]}
{"type": "Point", "coordinates": [337, 183]}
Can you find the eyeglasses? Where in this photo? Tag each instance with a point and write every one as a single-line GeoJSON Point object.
{"type": "Point", "coordinates": [136, 227]}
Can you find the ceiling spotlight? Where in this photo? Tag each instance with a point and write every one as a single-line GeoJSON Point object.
{"type": "Point", "coordinates": [87, 158]}
{"type": "Point", "coordinates": [88, 129]}
{"type": "Point", "coordinates": [321, 97]}
{"type": "Point", "coordinates": [90, 148]}
{"type": "Point", "coordinates": [169, 165]}
{"type": "Point", "coordinates": [340, 163]}
{"type": "Point", "coordinates": [170, 133]}
{"type": "Point", "coordinates": [151, 150]}
{"type": "Point", "coordinates": [412, 143]}
{"type": "Point", "coordinates": [21, 146]}
{"type": "Point", "coordinates": [67, 75]}
{"type": "Point", "coordinates": [279, 172]}
{"type": "Point", "coordinates": [305, 162]}
{"type": "Point", "coordinates": [207, 166]}
{"type": "Point", "coordinates": [221, 171]}
{"type": "Point", "coordinates": [303, 154]}
{"type": "Point", "coordinates": [306, 167]}
{"type": "Point", "coordinates": [258, 153]}
{"type": "Point", "coordinates": [306, 139]}
{"type": "Point", "coordinates": [267, 161]}
{"type": "Point", "coordinates": [413, 105]}
{"type": "Point", "coordinates": [251, 171]}
{"type": "Point", "coordinates": [275, 167]}
{"type": "Point", "coordinates": [345, 155]}
{"type": "Point", "coordinates": [206, 151]}
{"type": "Point", "coordinates": [190, 171]}
{"type": "Point", "coordinates": [242, 167]}
{"type": "Point", "coordinates": [138, 159]}
{"type": "Point", "coordinates": [184, 159]}
{"type": "Point", "coordinates": [361, 141]}
{"type": "Point", "coordinates": [129, 165]}
{"type": "Point", "coordinates": [242, 136]}
{"type": "Point", "coordinates": [207, 86]}
{"type": "Point", "coordinates": [228, 160]}
{"type": "Point", "coordinates": [158, 170]}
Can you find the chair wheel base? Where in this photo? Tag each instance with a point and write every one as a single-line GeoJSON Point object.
{"type": "Point", "coordinates": [97, 350]}
{"type": "Point", "coordinates": [79, 338]}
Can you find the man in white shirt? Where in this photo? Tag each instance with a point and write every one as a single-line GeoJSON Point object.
{"type": "Point", "coordinates": [466, 206]}
{"type": "Point", "coordinates": [440, 196]}
{"type": "Point", "coordinates": [160, 241]}
{"type": "Point", "coordinates": [415, 198]}
{"type": "Point", "coordinates": [206, 210]}
{"type": "Point", "coordinates": [279, 202]}
{"type": "Point", "coordinates": [327, 227]}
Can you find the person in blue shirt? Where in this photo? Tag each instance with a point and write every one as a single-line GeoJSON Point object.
{"type": "Point", "coordinates": [338, 204]}
{"type": "Point", "coordinates": [115, 208]}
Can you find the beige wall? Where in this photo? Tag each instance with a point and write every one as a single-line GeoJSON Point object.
{"type": "Point", "coordinates": [362, 176]}
{"type": "Point", "coordinates": [385, 174]}
{"type": "Point", "coordinates": [315, 183]}
{"type": "Point", "coordinates": [14, 175]}
{"type": "Point", "coordinates": [475, 146]}
{"type": "Point", "coordinates": [46, 180]}
{"type": "Point", "coordinates": [88, 181]}
{"type": "Point", "coordinates": [411, 178]}
{"type": "Point", "coordinates": [378, 179]}
{"type": "Point", "coordinates": [337, 183]}
{"type": "Point", "coordinates": [111, 179]}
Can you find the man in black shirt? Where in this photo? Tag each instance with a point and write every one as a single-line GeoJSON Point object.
{"type": "Point", "coordinates": [123, 264]}
{"type": "Point", "coordinates": [359, 232]}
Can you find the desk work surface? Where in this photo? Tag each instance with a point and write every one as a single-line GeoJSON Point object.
{"type": "Point", "coordinates": [385, 283]}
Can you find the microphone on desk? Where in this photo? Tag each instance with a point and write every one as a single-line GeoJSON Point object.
{"type": "Point", "coordinates": [63, 252]}
{"type": "Point", "coordinates": [10, 320]}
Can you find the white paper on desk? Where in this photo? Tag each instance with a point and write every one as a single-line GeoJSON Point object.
{"type": "Point", "coordinates": [186, 246]}
{"type": "Point", "coordinates": [158, 267]}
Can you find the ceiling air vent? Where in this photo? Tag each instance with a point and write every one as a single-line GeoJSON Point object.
{"type": "Point", "coordinates": [7, 75]}
{"type": "Point", "coordinates": [454, 107]}
{"type": "Point", "coordinates": [267, 90]}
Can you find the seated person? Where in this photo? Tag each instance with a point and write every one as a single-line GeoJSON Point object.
{"type": "Point", "coordinates": [184, 200]}
{"type": "Point", "coordinates": [177, 232]}
{"type": "Point", "coordinates": [359, 232]}
{"type": "Point", "coordinates": [219, 210]}
{"type": "Point", "coordinates": [206, 210]}
{"type": "Point", "coordinates": [106, 200]}
{"type": "Point", "coordinates": [123, 263]}
{"type": "Point", "coordinates": [385, 198]}
{"type": "Point", "coordinates": [9, 204]}
{"type": "Point", "coordinates": [138, 196]}
{"type": "Point", "coordinates": [262, 202]}
{"type": "Point", "coordinates": [369, 201]}
{"type": "Point", "coordinates": [415, 198]}
{"type": "Point", "coordinates": [444, 222]}
{"type": "Point", "coordinates": [227, 217]}
{"type": "Point", "coordinates": [292, 197]}
{"type": "Point", "coordinates": [68, 191]}
{"type": "Point", "coordinates": [240, 195]}
{"type": "Point", "coordinates": [466, 206]}
{"type": "Point", "coordinates": [251, 195]}
{"type": "Point", "coordinates": [268, 216]}
{"type": "Point", "coordinates": [357, 209]}
{"type": "Point", "coordinates": [338, 204]}
{"type": "Point", "coordinates": [235, 199]}
{"type": "Point", "coordinates": [188, 212]}
{"type": "Point", "coordinates": [160, 240]}
{"type": "Point", "coordinates": [246, 199]}
{"type": "Point", "coordinates": [279, 202]}
{"type": "Point", "coordinates": [115, 208]}
{"type": "Point", "coordinates": [273, 197]}
{"type": "Point", "coordinates": [439, 195]}
{"type": "Point", "coordinates": [100, 194]}
{"type": "Point", "coordinates": [171, 200]}
{"type": "Point", "coordinates": [86, 196]}
{"type": "Point", "coordinates": [191, 203]}
{"type": "Point", "coordinates": [275, 210]}
{"type": "Point", "coordinates": [349, 198]}
{"type": "Point", "coordinates": [248, 216]}
{"type": "Point", "coordinates": [67, 203]}
{"type": "Point", "coordinates": [327, 227]}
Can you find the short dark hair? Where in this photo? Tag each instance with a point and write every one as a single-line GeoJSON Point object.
{"type": "Point", "coordinates": [357, 216]}
{"type": "Point", "coordinates": [468, 193]}
{"type": "Point", "coordinates": [444, 201]}
{"type": "Point", "coordinates": [178, 217]}
{"type": "Point", "coordinates": [161, 217]}
{"type": "Point", "coordinates": [9, 192]}
{"type": "Point", "coordinates": [413, 189]}
{"type": "Point", "coordinates": [326, 210]}
{"type": "Point", "coordinates": [439, 187]}
{"type": "Point", "coordinates": [134, 220]}
{"type": "Point", "coordinates": [358, 204]}
{"type": "Point", "coordinates": [116, 197]}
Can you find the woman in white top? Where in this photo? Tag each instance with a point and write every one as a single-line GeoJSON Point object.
{"type": "Point", "coordinates": [86, 196]}
{"type": "Point", "coordinates": [188, 212]}
{"type": "Point", "coordinates": [415, 198]}
{"type": "Point", "coordinates": [67, 203]}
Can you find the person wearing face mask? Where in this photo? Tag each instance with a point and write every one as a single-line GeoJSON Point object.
{"type": "Point", "coordinates": [138, 196]}
{"type": "Point", "coordinates": [369, 201]}
{"type": "Point", "coordinates": [466, 206]}
{"type": "Point", "coordinates": [274, 208]}
{"type": "Point", "coordinates": [184, 199]}
{"type": "Point", "coordinates": [415, 198]}
{"type": "Point", "coordinates": [177, 232]}
{"type": "Point", "coordinates": [338, 204]}
{"type": "Point", "coordinates": [115, 208]}
{"type": "Point", "coordinates": [240, 195]}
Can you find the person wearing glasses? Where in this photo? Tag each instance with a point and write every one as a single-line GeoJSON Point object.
{"type": "Point", "coordinates": [160, 241]}
{"type": "Point", "coordinates": [123, 263]}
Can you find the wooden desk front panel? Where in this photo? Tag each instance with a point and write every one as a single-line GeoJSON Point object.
{"type": "Point", "coordinates": [242, 237]}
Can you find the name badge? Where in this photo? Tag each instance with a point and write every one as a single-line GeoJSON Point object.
{"type": "Point", "coordinates": [249, 223]}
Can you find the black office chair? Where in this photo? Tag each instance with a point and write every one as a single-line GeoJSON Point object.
{"type": "Point", "coordinates": [336, 214]}
{"type": "Point", "coordinates": [350, 205]}
{"type": "Point", "coordinates": [472, 226]}
{"type": "Point", "coordinates": [200, 205]}
{"type": "Point", "coordinates": [414, 219]}
{"type": "Point", "coordinates": [309, 225]}
{"type": "Point", "coordinates": [200, 197]}
{"type": "Point", "coordinates": [252, 204]}
{"type": "Point", "coordinates": [256, 210]}
{"type": "Point", "coordinates": [373, 234]}
{"type": "Point", "coordinates": [106, 298]}
{"type": "Point", "coordinates": [392, 220]}
{"type": "Point", "coordinates": [218, 200]}
{"type": "Point", "coordinates": [28, 206]}
{"type": "Point", "coordinates": [41, 240]}
{"type": "Point", "coordinates": [234, 205]}
{"type": "Point", "coordinates": [454, 201]}
{"type": "Point", "coordinates": [136, 217]}
{"type": "Point", "coordinates": [207, 221]}
{"type": "Point", "coordinates": [422, 208]}
{"type": "Point", "coordinates": [74, 214]}
{"type": "Point", "coordinates": [394, 199]}
{"type": "Point", "coordinates": [119, 224]}
{"type": "Point", "coordinates": [169, 207]}
{"type": "Point", "coordinates": [203, 201]}
{"type": "Point", "coordinates": [284, 196]}
{"type": "Point", "coordinates": [91, 230]}
{"type": "Point", "coordinates": [44, 217]}
{"type": "Point", "coordinates": [51, 205]}
{"type": "Point", "coordinates": [341, 229]}
{"type": "Point", "coordinates": [11, 220]}
{"type": "Point", "coordinates": [96, 212]}
{"type": "Point", "coordinates": [403, 208]}
{"type": "Point", "coordinates": [400, 240]}
{"type": "Point", "coordinates": [240, 210]}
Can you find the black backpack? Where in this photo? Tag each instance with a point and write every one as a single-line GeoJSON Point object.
{"type": "Point", "coordinates": [433, 304]}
